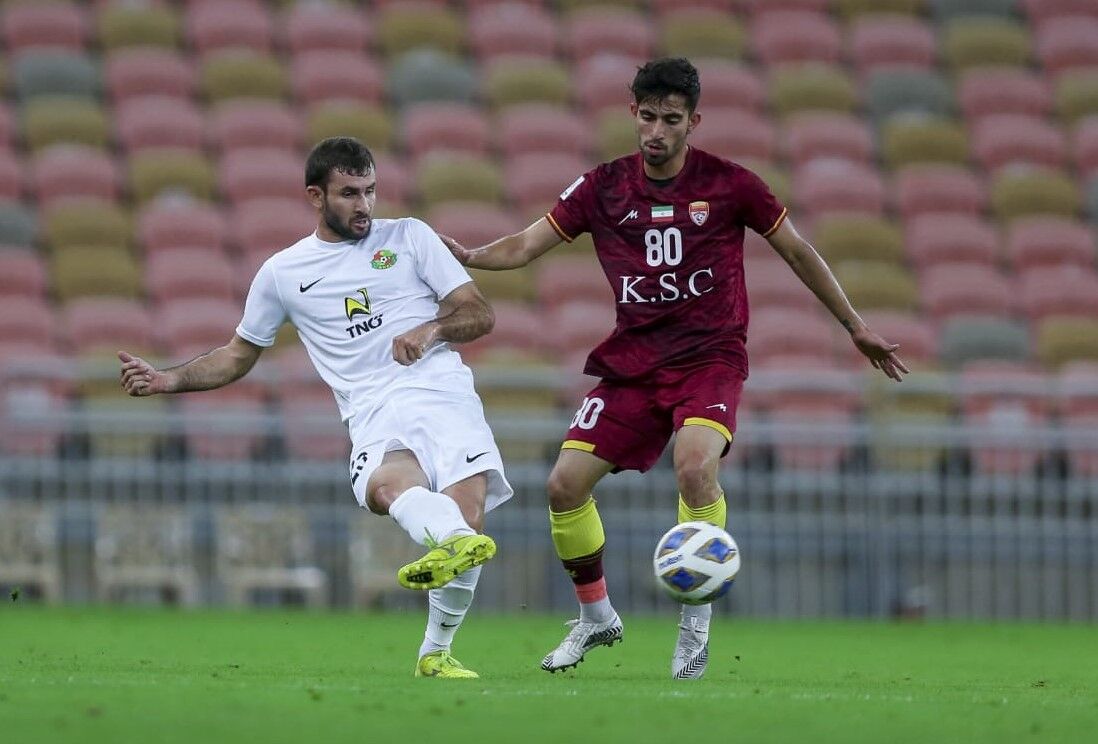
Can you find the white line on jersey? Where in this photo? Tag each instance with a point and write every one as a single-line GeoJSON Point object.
{"type": "Point", "coordinates": [721, 406]}
{"type": "Point", "coordinates": [631, 216]}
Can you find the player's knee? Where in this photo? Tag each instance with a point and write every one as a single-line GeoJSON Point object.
{"type": "Point", "coordinates": [565, 492]}
{"type": "Point", "coordinates": [696, 474]}
{"type": "Point", "coordinates": [381, 497]}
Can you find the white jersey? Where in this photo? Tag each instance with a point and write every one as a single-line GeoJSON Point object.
{"type": "Point", "coordinates": [349, 300]}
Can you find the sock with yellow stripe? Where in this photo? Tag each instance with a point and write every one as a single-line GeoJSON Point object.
{"type": "Point", "coordinates": [716, 514]}
{"type": "Point", "coordinates": [580, 540]}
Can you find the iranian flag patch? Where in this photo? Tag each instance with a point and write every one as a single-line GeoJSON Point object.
{"type": "Point", "coordinates": [663, 213]}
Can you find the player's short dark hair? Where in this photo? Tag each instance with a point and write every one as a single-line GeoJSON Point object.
{"type": "Point", "coordinates": [667, 76]}
{"type": "Point", "coordinates": [344, 154]}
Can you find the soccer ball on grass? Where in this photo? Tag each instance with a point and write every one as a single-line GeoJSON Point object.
{"type": "Point", "coordinates": [696, 562]}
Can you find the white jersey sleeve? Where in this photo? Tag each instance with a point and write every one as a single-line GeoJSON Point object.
{"type": "Point", "coordinates": [435, 265]}
{"type": "Point", "coordinates": [264, 311]}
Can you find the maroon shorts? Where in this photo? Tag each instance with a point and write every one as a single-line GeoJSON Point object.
{"type": "Point", "coordinates": [629, 424]}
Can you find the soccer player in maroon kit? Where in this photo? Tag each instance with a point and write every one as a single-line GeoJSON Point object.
{"type": "Point", "coordinates": [668, 226]}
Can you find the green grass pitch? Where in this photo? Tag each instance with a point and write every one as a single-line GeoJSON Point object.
{"type": "Point", "coordinates": [125, 675]}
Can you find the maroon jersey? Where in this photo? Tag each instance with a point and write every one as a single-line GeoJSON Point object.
{"type": "Point", "coordinates": [673, 253]}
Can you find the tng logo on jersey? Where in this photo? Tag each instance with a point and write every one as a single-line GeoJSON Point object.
{"type": "Point", "coordinates": [669, 286]}
{"type": "Point", "coordinates": [354, 308]}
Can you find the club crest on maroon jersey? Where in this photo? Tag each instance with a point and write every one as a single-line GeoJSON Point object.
{"type": "Point", "coordinates": [699, 212]}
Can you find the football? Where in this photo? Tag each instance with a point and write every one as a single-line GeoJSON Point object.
{"type": "Point", "coordinates": [696, 562]}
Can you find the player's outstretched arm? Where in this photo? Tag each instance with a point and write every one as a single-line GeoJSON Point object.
{"type": "Point", "coordinates": [211, 370]}
{"type": "Point", "coordinates": [463, 315]}
{"type": "Point", "coordinates": [817, 276]}
{"type": "Point", "coordinates": [509, 252]}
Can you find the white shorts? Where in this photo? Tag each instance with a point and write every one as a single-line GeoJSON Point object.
{"type": "Point", "coordinates": [446, 431]}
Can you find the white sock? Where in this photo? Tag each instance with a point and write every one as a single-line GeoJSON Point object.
{"type": "Point", "coordinates": [702, 612]}
{"type": "Point", "coordinates": [446, 608]}
{"type": "Point", "coordinates": [599, 611]}
{"type": "Point", "coordinates": [422, 513]}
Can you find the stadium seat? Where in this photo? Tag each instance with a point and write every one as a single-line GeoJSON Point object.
{"type": "Point", "coordinates": [254, 124]}
{"type": "Point", "coordinates": [516, 285]}
{"type": "Point", "coordinates": [1003, 90]}
{"type": "Point", "coordinates": [260, 174]}
{"type": "Point", "coordinates": [408, 25]}
{"type": "Point", "coordinates": [938, 188]}
{"type": "Point", "coordinates": [225, 424]}
{"type": "Point", "coordinates": [572, 5]}
{"type": "Point", "coordinates": [616, 134]}
{"type": "Point", "coordinates": [731, 84]}
{"type": "Point", "coordinates": [946, 10]}
{"type": "Point", "coordinates": [445, 177]}
{"type": "Point", "coordinates": [47, 72]}
{"type": "Point", "coordinates": [12, 179]}
{"type": "Point", "coordinates": [891, 40]}
{"type": "Point", "coordinates": [169, 224]}
{"type": "Point", "coordinates": [139, 72]}
{"type": "Point", "coordinates": [1078, 390]}
{"type": "Point", "coordinates": [521, 328]}
{"type": "Point", "coordinates": [473, 224]}
{"type": "Point", "coordinates": [820, 439]}
{"type": "Point", "coordinates": [103, 325]}
{"type": "Point", "coordinates": [1085, 146]}
{"type": "Point", "coordinates": [1067, 43]}
{"type": "Point", "coordinates": [444, 126]}
{"type": "Point", "coordinates": [26, 320]}
{"type": "Point", "coordinates": [1067, 291]}
{"type": "Point", "coordinates": [917, 337]}
{"type": "Point", "coordinates": [263, 226]}
{"type": "Point", "coordinates": [891, 92]}
{"type": "Point", "coordinates": [797, 88]}
{"type": "Point", "coordinates": [8, 127]}
{"type": "Point", "coordinates": [22, 273]}
{"type": "Point", "coordinates": [857, 237]}
{"type": "Point", "coordinates": [1061, 340]}
{"type": "Point", "coordinates": [94, 272]}
{"type": "Point", "coordinates": [1042, 10]}
{"type": "Point", "coordinates": [512, 29]}
{"type": "Point", "coordinates": [367, 122]}
{"type": "Point", "coordinates": [838, 186]}
{"type": "Point", "coordinates": [702, 33]}
{"type": "Point", "coordinates": [240, 73]}
{"type": "Point", "coordinates": [603, 83]}
{"type": "Point", "coordinates": [562, 279]}
{"type": "Point", "coordinates": [771, 283]}
{"type": "Point", "coordinates": [60, 25]}
{"type": "Point", "coordinates": [156, 172]}
{"type": "Point", "coordinates": [851, 9]}
{"type": "Point", "coordinates": [878, 285]}
{"type": "Point", "coordinates": [915, 138]}
{"type": "Point", "coordinates": [66, 171]}
{"type": "Point", "coordinates": [1092, 198]}
{"type": "Point", "coordinates": [311, 428]}
{"type": "Point", "coordinates": [1050, 241]}
{"type": "Point", "coordinates": [429, 75]}
{"type": "Point", "coordinates": [326, 26]}
{"type": "Point", "coordinates": [935, 238]}
{"type": "Point", "coordinates": [86, 223]}
{"type": "Point", "coordinates": [336, 75]}
{"type": "Point", "coordinates": [535, 181]}
{"type": "Point", "coordinates": [783, 331]}
{"type": "Point", "coordinates": [137, 25]}
{"type": "Point", "coordinates": [189, 272]}
{"type": "Point", "coordinates": [394, 178]}
{"type": "Point", "coordinates": [195, 323]}
{"type": "Point", "coordinates": [1021, 192]}
{"type": "Point", "coordinates": [666, 8]}
{"type": "Point", "coordinates": [18, 224]}
{"type": "Point", "coordinates": [1077, 95]}
{"type": "Point", "coordinates": [968, 338]}
{"type": "Point", "coordinates": [1004, 403]}
{"type": "Point", "coordinates": [783, 37]}
{"type": "Point", "coordinates": [579, 325]}
{"type": "Point", "coordinates": [228, 24]}
{"type": "Point", "coordinates": [814, 135]}
{"type": "Point", "coordinates": [52, 120]}
{"type": "Point", "coordinates": [1003, 139]}
{"type": "Point", "coordinates": [597, 30]}
{"type": "Point", "coordinates": [511, 81]}
{"type": "Point", "coordinates": [955, 289]}
{"type": "Point", "coordinates": [155, 122]}
{"type": "Point", "coordinates": [736, 134]}
{"type": "Point", "coordinates": [146, 549]}
{"type": "Point", "coordinates": [985, 42]}
{"type": "Point", "coordinates": [530, 128]}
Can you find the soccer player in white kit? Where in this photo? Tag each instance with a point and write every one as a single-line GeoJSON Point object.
{"type": "Point", "coordinates": [375, 303]}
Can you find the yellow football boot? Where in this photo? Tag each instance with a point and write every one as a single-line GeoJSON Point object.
{"type": "Point", "coordinates": [441, 664]}
{"type": "Point", "coordinates": [446, 560]}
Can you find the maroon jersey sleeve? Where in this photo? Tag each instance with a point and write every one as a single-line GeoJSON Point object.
{"type": "Point", "coordinates": [759, 208]}
{"type": "Point", "coordinates": [572, 214]}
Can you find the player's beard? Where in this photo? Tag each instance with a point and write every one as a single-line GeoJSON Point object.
{"type": "Point", "coordinates": [344, 229]}
{"type": "Point", "coordinates": [658, 158]}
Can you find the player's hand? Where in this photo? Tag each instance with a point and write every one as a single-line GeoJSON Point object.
{"type": "Point", "coordinates": [409, 348]}
{"type": "Point", "coordinates": [881, 354]}
{"type": "Point", "coordinates": [139, 378]}
{"type": "Point", "coordinates": [460, 252]}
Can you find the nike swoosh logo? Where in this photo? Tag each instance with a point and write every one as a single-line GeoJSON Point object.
{"type": "Point", "coordinates": [306, 287]}
{"type": "Point", "coordinates": [474, 457]}
{"type": "Point", "coordinates": [449, 625]}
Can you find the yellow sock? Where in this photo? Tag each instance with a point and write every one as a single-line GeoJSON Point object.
{"type": "Point", "coordinates": [715, 513]}
{"type": "Point", "coordinates": [577, 533]}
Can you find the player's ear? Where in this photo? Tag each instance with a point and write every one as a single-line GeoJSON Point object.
{"type": "Point", "coordinates": [692, 122]}
{"type": "Point", "coordinates": [633, 108]}
{"type": "Point", "coordinates": [316, 196]}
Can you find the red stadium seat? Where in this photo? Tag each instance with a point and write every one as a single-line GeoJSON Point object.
{"type": "Point", "coordinates": [245, 124]}
{"type": "Point", "coordinates": [512, 28]}
{"type": "Point", "coordinates": [918, 339]}
{"type": "Point", "coordinates": [602, 83]}
{"type": "Point", "coordinates": [879, 41]}
{"type": "Point", "coordinates": [1078, 390]}
{"type": "Point", "coordinates": [838, 186]}
{"type": "Point", "coordinates": [26, 320]}
{"type": "Point", "coordinates": [22, 273]}
{"type": "Point", "coordinates": [1003, 90]}
{"type": "Point", "coordinates": [103, 325]}
{"type": "Point", "coordinates": [228, 24]}
{"type": "Point", "coordinates": [950, 290]}
{"type": "Point", "coordinates": [474, 223]}
{"type": "Point", "coordinates": [781, 37]}
{"type": "Point", "coordinates": [28, 399]}
{"type": "Point", "coordinates": [779, 331]}
{"type": "Point", "coordinates": [223, 424]}
{"type": "Point", "coordinates": [535, 181]}
{"type": "Point", "coordinates": [820, 437]}
{"type": "Point", "coordinates": [821, 134]}
{"type": "Point", "coordinates": [663, 7]}
{"type": "Point", "coordinates": [394, 179]}
{"type": "Point", "coordinates": [59, 25]}
{"type": "Point", "coordinates": [445, 126]}
{"type": "Point", "coordinates": [261, 173]}
{"type": "Point", "coordinates": [936, 238]}
{"type": "Point", "coordinates": [157, 121]}
{"type": "Point", "coordinates": [1067, 42]}
{"type": "Point", "coordinates": [7, 126]}
{"type": "Point", "coordinates": [518, 326]}
{"type": "Point", "coordinates": [605, 30]}
{"type": "Point", "coordinates": [263, 226]}
{"type": "Point", "coordinates": [762, 7]}
{"type": "Point", "coordinates": [562, 279]}
{"type": "Point", "coordinates": [1059, 290]}
{"type": "Point", "coordinates": [168, 224]}
{"type": "Point", "coordinates": [311, 427]}
{"type": "Point", "coordinates": [188, 273]}
{"type": "Point", "coordinates": [336, 75]}
{"type": "Point", "coordinates": [1042, 10]}
{"type": "Point", "coordinates": [147, 71]}
{"type": "Point", "coordinates": [193, 323]}
{"type": "Point", "coordinates": [942, 188]}
{"type": "Point", "coordinates": [65, 171]}
{"type": "Point", "coordinates": [1034, 242]}
{"type": "Point", "coordinates": [12, 180]}
{"type": "Point", "coordinates": [1006, 402]}
{"type": "Point", "coordinates": [772, 284]}
{"type": "Point", "coordinates": [530, 128]}
{"type": "Point", "coordinates": [579, 326]}
{"type": "Point", "coordinates": [314, 27]}
{"type": "Point", "coordinates": [736, 134]}
{"type": "Point", "coordinates": [1085, 146]}
{"type": "Point", "coordinates": [1003, 139]}
{"type": "Point", "coordinates": [731, 85]}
